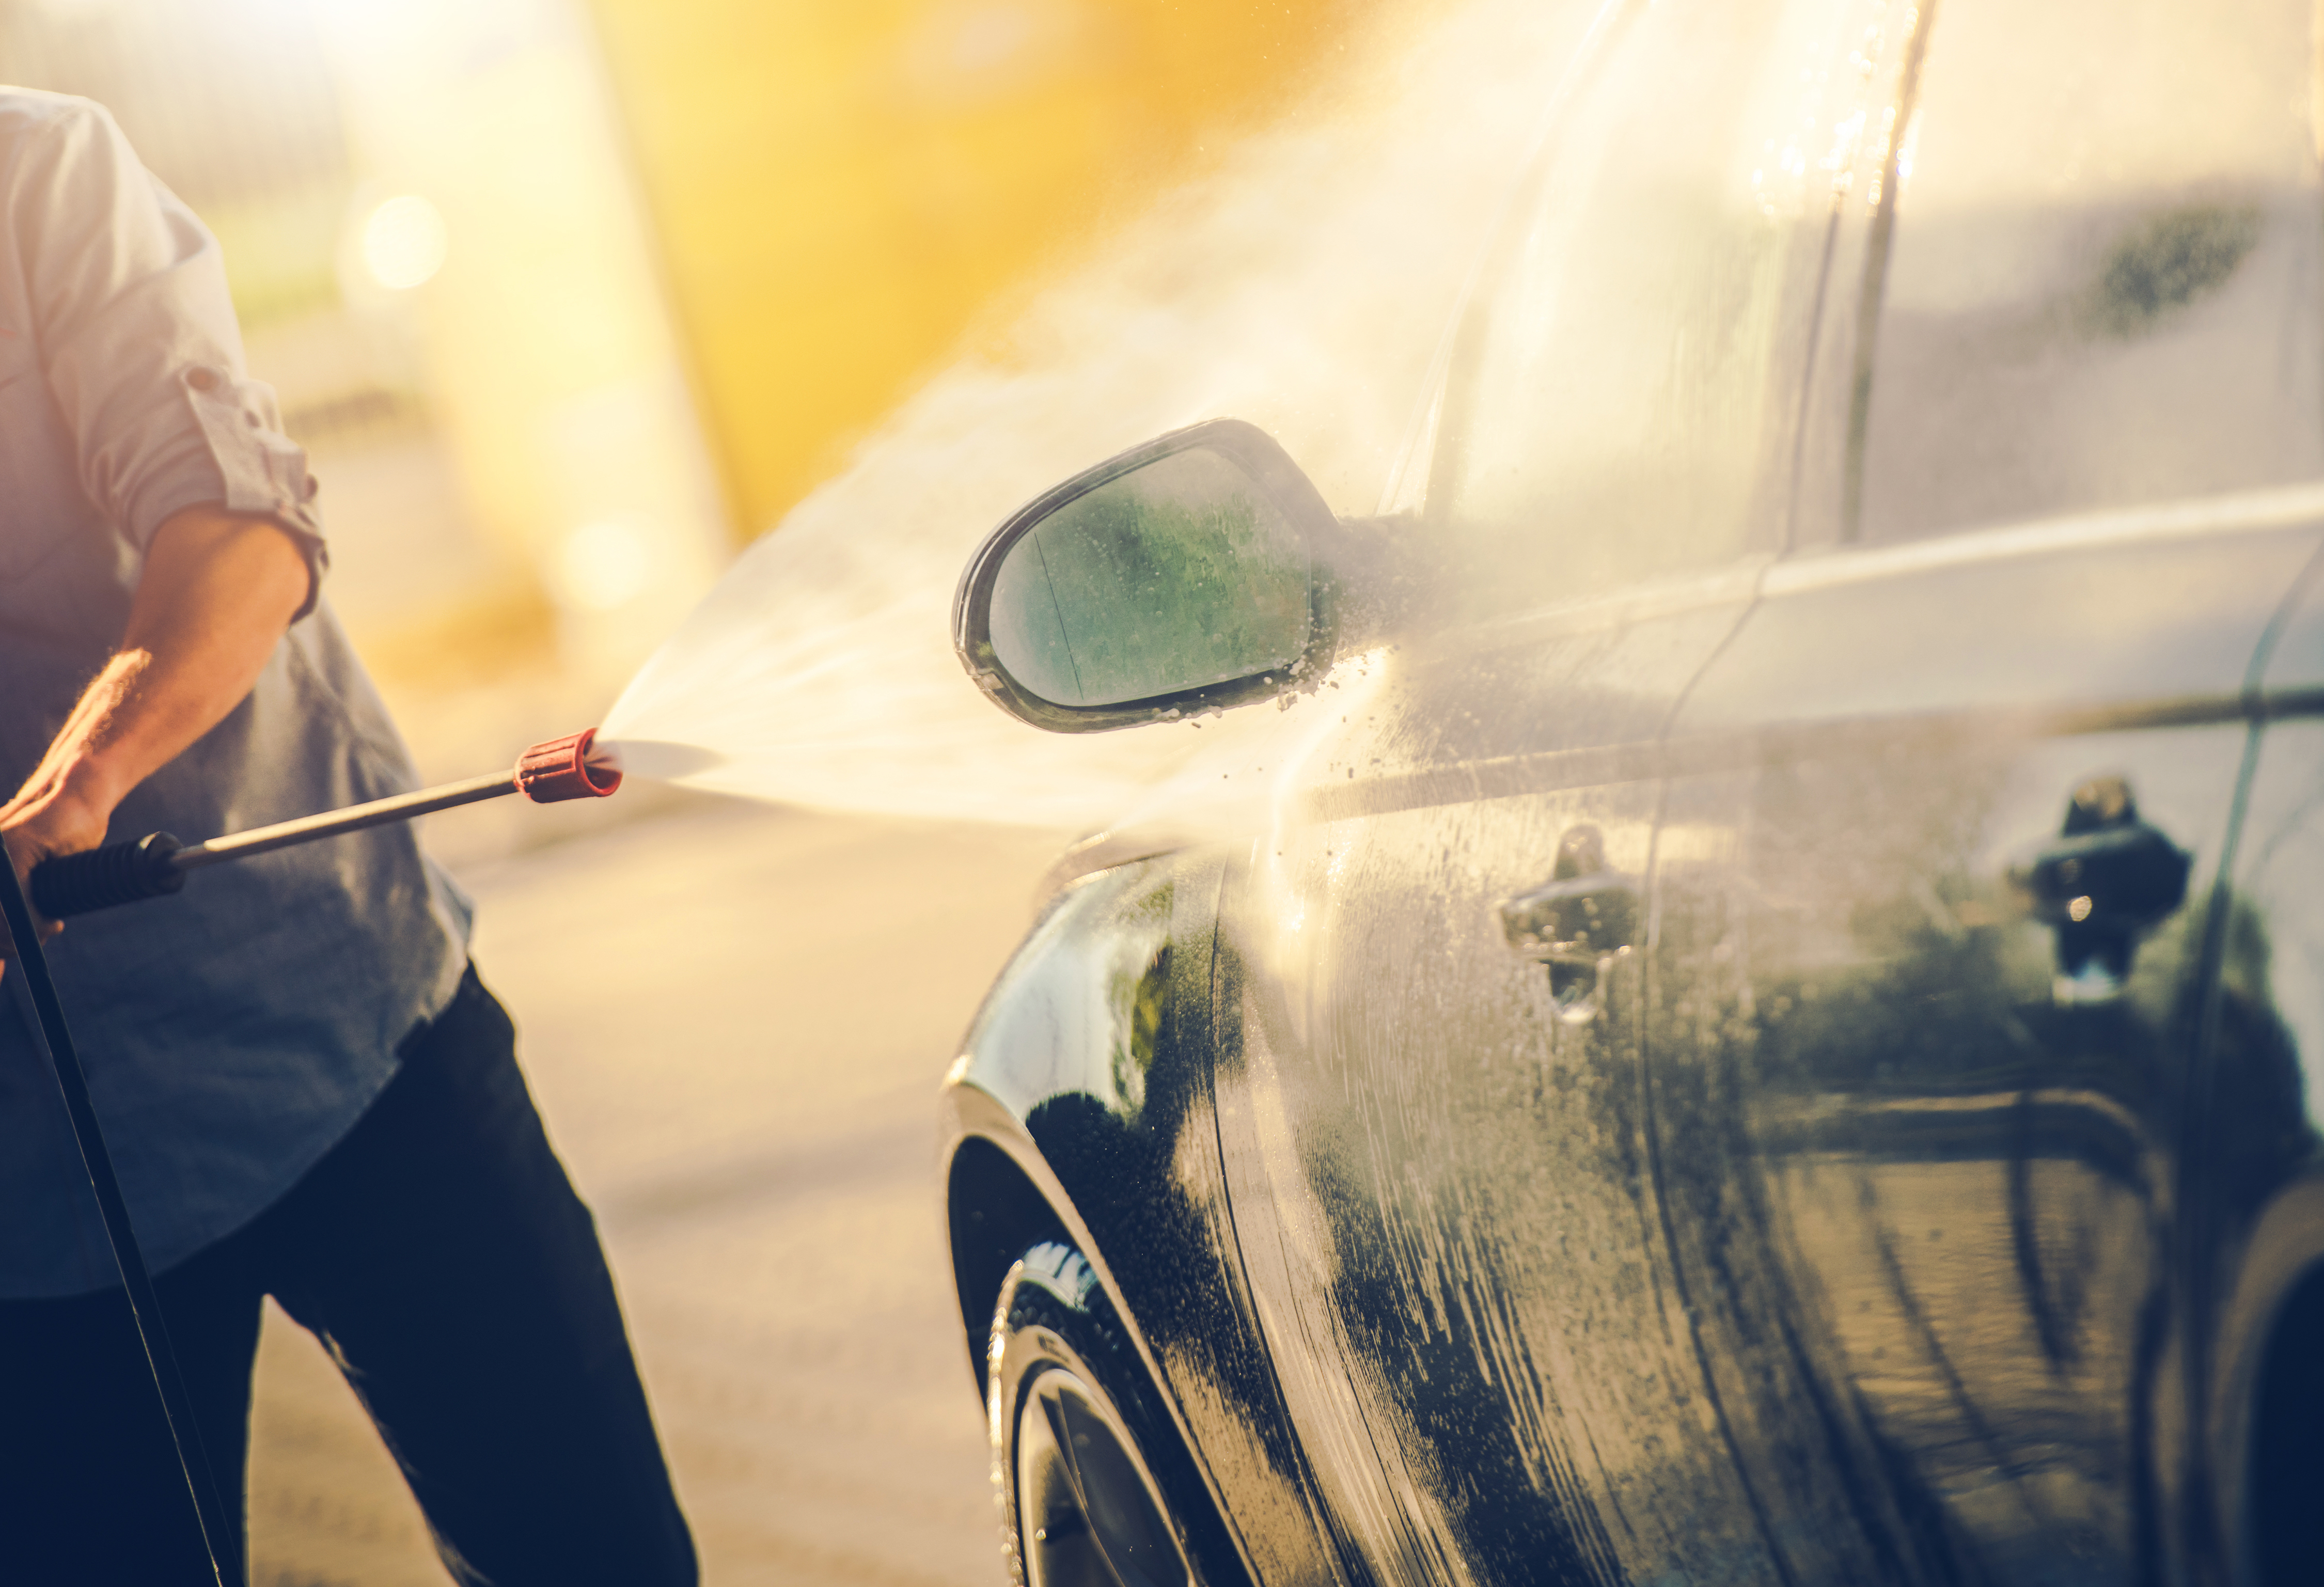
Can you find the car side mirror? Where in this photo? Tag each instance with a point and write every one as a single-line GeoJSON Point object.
{"type": "Point", "coordinates": [1182, 576]}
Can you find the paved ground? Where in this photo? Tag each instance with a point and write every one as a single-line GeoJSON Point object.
{"type": "Point", "coordinates": [735, 1022]}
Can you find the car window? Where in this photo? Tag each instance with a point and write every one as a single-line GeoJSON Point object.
{"type": "Point", "coordinates": [1623, 396]}
{"type": "Point", "coordinates": [2102, 285]}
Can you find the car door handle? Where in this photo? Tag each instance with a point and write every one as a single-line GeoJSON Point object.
{"type": "Point", "coordinates": [1579, 923]}
{"type": "Point", "coordinates": [2109, 878]}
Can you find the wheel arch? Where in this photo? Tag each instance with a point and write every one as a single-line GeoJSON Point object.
{"type": "Point", "coordinates": [993, 1212]}
{"type": "Point", "coordinates": [1000, 1198]}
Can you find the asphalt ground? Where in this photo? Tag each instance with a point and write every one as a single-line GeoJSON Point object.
{"type": "Point", "coordinates": [734, 1020]}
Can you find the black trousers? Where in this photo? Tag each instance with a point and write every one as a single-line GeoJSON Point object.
{"type": "Point", "coordinates": [442, 1258]}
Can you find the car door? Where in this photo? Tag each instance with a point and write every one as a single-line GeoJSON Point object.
{"type": "Point", "coordinates": [1933, 919]}
{"type": "Point", "coordinates": [1429, 1012]}
{"type": "Point", "coordinates": [2254, 1255]}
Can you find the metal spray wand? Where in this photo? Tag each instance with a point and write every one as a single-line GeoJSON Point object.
{"type": "Point", "coordinates": [567, 767]}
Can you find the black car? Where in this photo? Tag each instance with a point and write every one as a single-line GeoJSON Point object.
{"type": "Point", "coordinates": [1769, 1031]}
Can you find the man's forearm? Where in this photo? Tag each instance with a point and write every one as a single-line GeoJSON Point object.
{"type": "Point", "coordinates": [217, 591]}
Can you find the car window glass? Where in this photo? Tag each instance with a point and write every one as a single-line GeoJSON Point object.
{"type": "Point", "coordinates": [2102, 284]}
{"type": "Point", "coordinates": [1623, 405]}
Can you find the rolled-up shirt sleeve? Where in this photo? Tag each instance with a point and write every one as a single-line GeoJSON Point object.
{"type": "Point", "coordinates": [138, 342]}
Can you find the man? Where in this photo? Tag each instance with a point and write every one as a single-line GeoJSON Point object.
{"type": "Point", "coordinates": [306, 1091]}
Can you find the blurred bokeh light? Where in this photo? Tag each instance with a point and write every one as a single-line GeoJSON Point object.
{"type": "Point", "coordinates": [404, 242]}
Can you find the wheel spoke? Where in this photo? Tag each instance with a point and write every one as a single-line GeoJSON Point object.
{"type": "Point", "coordinates": [1090, 1515]}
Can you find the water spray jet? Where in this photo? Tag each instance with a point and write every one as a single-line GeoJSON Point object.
{"type": "Point", "coordinates": [574, 767]}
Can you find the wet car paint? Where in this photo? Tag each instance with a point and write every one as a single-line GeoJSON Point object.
{"type": "Point", "coordinates": [1898, 1138]}
{"type": "Point", "coordinates": [1084, 1106]}
{"type": "Point", "coordinates": [1845, 1227]}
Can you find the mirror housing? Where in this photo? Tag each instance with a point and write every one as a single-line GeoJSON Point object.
{"type": "Point", "coordinates": [1186, 575]}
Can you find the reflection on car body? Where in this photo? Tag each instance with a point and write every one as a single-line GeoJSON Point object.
{"type": "Point", "coordinates": [1770, 1039]}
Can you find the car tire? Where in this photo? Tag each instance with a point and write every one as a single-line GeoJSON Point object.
{"type": "Point", "coordinates": [1077, 1427]}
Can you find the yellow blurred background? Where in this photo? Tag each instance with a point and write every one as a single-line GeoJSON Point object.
{"type": "Point", "coordinates": [568, 300]}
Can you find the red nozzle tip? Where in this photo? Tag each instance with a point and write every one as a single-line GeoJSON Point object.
{"type": "Point", "coordinates": [562, 768]}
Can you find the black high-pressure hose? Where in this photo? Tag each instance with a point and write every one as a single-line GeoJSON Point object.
{"type": "Point", "coordinates": [223, 1541]}
{"type": "Point", "coordinates": [150, 867]}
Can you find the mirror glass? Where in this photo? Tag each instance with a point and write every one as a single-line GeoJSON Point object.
{"type": "Point", "coordinates": [1173, 576]}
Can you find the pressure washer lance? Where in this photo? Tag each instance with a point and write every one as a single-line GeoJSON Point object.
{"type": "Point", "coordinates": [567, 767]}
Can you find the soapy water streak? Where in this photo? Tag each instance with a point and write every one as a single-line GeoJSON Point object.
{"type": "Point", "coordinates": [1304, 287]}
